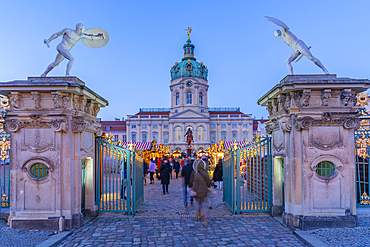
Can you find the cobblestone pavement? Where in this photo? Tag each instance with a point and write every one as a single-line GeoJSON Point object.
{"type": "Point", "coordinates": [163, 221]}
{"type": "Point", "coordinates": [354, 237]}
{"type": "Point", "coordinates": [19, 237]}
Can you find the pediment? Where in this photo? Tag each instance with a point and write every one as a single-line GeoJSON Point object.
{"type": "Point", "coordinates": [189, 114]}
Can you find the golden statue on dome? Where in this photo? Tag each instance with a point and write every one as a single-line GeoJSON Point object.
{"type": "Point", "coordinates": [189, 31]}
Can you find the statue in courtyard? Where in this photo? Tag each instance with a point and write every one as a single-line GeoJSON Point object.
{"type": "Point", "coordinates": [189, 136]}
{"type": "Point", "coordinates": [70, 38]}
{"type": "Point", "coordinates": [299, 47]}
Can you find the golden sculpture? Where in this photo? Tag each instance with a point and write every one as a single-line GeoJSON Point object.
{"type": "Point", "coordinates": [4, 201]}
{"type": "Point", "coordinates": [362, 99]}
{"type": "Point", "coordinates": [189, 31]}
{"type": "Point", "coordinates": [365, 199]}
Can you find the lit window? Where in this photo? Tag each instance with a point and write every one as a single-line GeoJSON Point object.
{"type": "Point", "coordinates": [177, 98]}
{"type": "Point", "coordinates": [235, 136]}
{"type": "Point", "coordinates": [245, 135]}
{"type": "Point", "coordinates": [200, 131]}
{"type": "Point", "coordinates": [200, 98]}
{"type": "Point", "coordinates": [39, 170]}
{"type": "Point", "coordinates": [223, 126]}
{"type": "Point", "coordinates": [116, 138]}
{"type": "Point", "coordinates": [124, 138]}
{"type": "Point", "coordinates": [325, 169]}
{"type": "Point", "coordinates": [189, 99]}
{"type": "Point", "coordinates": [133, 137]}
{"type": "Point", "coordinates": [133, 126]}
{"type": "Point", "coordinates": [177, 134]}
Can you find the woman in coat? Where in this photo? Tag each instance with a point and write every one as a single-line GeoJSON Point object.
{"type": "Point", "coordinates": [176, 167]}
{"type": "Point", "coordinates": [218, 175]}
{"type": "Point", "coordinates": [200, 183]}
{"type": "Point", "coordinates": [165, 170]}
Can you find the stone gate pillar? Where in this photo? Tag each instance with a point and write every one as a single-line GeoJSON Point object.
{"type": "Point", "coordinates": [312, 122]}
{"type": "Point", "coordinates": [53, 125]}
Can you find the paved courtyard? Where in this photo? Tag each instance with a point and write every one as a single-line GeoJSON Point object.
{"type": "Point", "coordinates": [163, 221]}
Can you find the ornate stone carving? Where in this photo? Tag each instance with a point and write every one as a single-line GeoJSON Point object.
{"type": "Point", "coordinates": [275, 105]}
{"type": "Point", "coordinates": [57, 100]}
{"type": "Point", "coordinates": [89, 107]}
{"type": "Point", "coordinates": [281, 102]}
{"type": "Point", "coordinates": [268, 129]}
{"type": "Point", "coordinates": [65, 102]}
{"type": "Point", "coordinates": [288, 99]}
{"type": "Point", "coordinates": [82, 103]}
{"type": "Point", "coordinates": [306, 99]}
{"type": "Point", "coordinates": [36, 97]}
{"type": "Point", "coordinates": [325, 98]}
{"type": "Point", "coordinates": [78, 125]}
{"type": "Point", "coordinates": [75, 104]}
{"type": "Point", "coordinates": [297, 98]}
{"type": "Point", "coordinates": [15, 100]}
{"type": "Point", "coordinates": [96, 109]}
{"type": "Point", "coordinates": [348, 122]}
{"type": "Point", "coordinates": [347, 98]}
{"type": "Point", "coordinates": [270, 108]}
{"type": "Point", "coordinates": [286, 125]}
{"type": "Point", "coordinates": [326, 139]}
{"type": "Point", "coordinates": [57, 124]}
{"type": "Point", "coordinates": [98, 131]}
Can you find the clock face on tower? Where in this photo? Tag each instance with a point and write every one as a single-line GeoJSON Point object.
{"type": "Point", "coordinates": [189, 83]}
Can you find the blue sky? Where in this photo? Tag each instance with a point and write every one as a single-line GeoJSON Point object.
{"type": "Point", "coordinates": [232, 38]}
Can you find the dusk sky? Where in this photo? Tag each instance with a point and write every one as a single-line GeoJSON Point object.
{"type": "Point", "coordinates": [232, 38]}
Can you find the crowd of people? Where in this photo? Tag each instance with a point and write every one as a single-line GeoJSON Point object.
{"type": "Point", "coordinates": [198, 179]}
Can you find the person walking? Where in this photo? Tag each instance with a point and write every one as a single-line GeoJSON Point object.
{"type": "Point", "coordinates": [152, 167]}
{"type": "Point", "coordinates": [165, 170]}
{"type": "Point", "coordinates": [200, 182]}
{"type": "Point", "coordinates": [186, 172]}
{"type": "Point", "coordinates": [145, 171]}
{"type": "Point", "coordinates": [218, 174]}
{"type": "Point", "coordinates": [176, 167]}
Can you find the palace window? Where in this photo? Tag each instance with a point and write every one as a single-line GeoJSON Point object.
{"type": "Point", "coordinates": [200, 98]}
{"type": "Point", "coordinates": [213, 126]}
{"type": "Point", "coordinates": [116, 138]}
{"type": "Point", "coordinates": [234, 126]}
{"type": "Point", "coordinates": [235, 136]}
{"type": "Point", "coordinates": [155, 137]}
{"type": "Point", "coordinates": [177, 134]}
{"type": "Point", "coordinates": [200, 131]}
{"type": "Point", "coordinates": [223, 136]}
{"type": "Point", "coordinates": [223, 126]}
{"type": "Point", "coordinates": [325, 168]}
{"type": "Point", "coordinates": [143, 126]}
{"type": "Point", "coordinates": [245, 136]}
{"type": "Point", "coordinates": [133, 126]}
{"type": "Point", "coordinates": [165, 137]}
{"type": "Point", "coordinates": [143, 137]}
{"type": "Point", "coordinates": [213, 137]}
{"type": "Point", "coordinates": [124, 138]}
{"type": "Point", "coordinates": [133, 137]}
{"type": "Point", "coordinates": [245, 125]}
{"type": "Point", "coordinates": [177, 97]}
{"type": "Point", "coordinates": [165, 126]}
{"type": "Point", "coordinates": [189, 99]}
{"type": "Point", "coordinates": [39, 170]}
{"type": "Point", "coordinates": [155, 126]}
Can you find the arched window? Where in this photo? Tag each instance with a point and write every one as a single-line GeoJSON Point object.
{"type": "Point", "coordinates": [200, 132]}
{"type": "Point", "coordinates": [177, 134]}
{"type": "Point", "coordinates": [200, 98]}
{"type": "Point", "coordinates": [189, 99]}
{"type": "Point", "coordinates": [223, 136]}
{"type": "Point", "coordinates": [177, 97]}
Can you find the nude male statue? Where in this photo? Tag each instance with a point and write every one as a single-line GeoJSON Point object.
{"type": "Point", "coordinates": [70, 38]}
{"type": "Point", "coordinates": [298, 46]}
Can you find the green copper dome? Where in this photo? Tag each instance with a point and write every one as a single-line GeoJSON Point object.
{"type": "Point", "coordinates": [189, 67]}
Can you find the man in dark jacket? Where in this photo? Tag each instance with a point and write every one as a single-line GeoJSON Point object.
{"type": "Point", "coordinates": [186, 172]}
{"type": "Point", "coordinates": [165, 170]}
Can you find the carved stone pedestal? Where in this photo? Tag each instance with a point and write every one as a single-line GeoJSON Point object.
{"type": "Point", "coordinates": [53, 125]}
{"type": "Point", "coordinates": [312, 122]}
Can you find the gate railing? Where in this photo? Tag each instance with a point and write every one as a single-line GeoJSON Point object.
{"type": "Point", "coordinates": [119, 173]}
{"type": "Point", "coordinates": [5, 169]}
{"type": "Point", "coordinates": [83, 184]}
{"type": "Point", "coordinates": [247, 178]}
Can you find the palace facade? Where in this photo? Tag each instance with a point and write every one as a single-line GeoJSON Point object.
{"type": "Point", "coordinates": [189, 109]}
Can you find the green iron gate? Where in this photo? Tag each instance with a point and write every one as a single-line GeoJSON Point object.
{"type": "Point", "coordinates": [362, 152]}
{"type": "Point", "coordinates": [119, 178]}
{"type": "Point", "coordinates": [247, 178]}
{"type": "Point", "coordinates": [83, 183]}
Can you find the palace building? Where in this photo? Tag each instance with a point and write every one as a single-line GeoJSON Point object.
{"type": "Point", "coordinates": [189, 109]}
